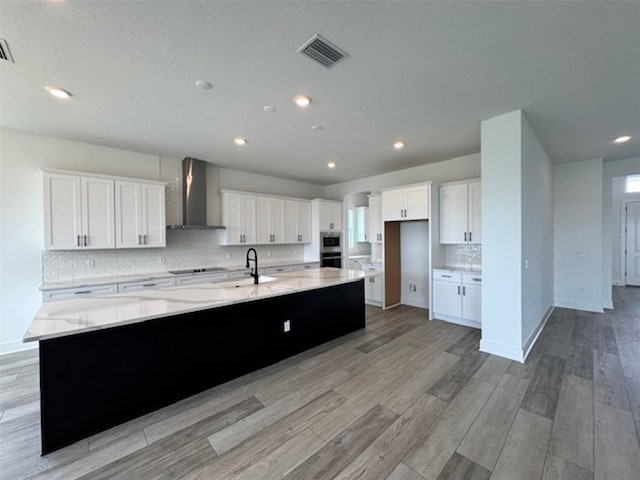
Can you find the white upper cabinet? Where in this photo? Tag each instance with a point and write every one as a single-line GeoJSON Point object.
{"type": "Point", "coordinates": [78, 212]}
{"type": "Point", "coordinates": [330, 215]}
{"type": "Point", "coordinates": [408, 203]}
{"type": "Point", "coordinates": [362, 224]}
{"type": "Point", "coordinates": [297, 221]}
{"type": "Point", "coordinates": [375, 219]}
{"type": "Point", "coordinates": [239, 218]}
{"type": "Point", "coordinates": [460, 213]}
{"type": "Point", "coordinates": [140, 215]}
{"type": "Point", "coordinates": [270, 220]}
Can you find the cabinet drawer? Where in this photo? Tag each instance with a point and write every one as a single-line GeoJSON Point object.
{"type": "Point", "coordinates": [278, 269]}
{"type": "Point", "coordinates": [471, 278]}
{"type": "Point", "coordinates": [446, 276]}
{"type": "Point", "coordinates": [307, 266]}
{"type": "Point", "coordinates": [195, 279]}
{"type": "Point", "coordinates": [75, 293]}
{"type": "Point", "coordinates": [239, 274]}
{"type": "Point", "coordinates": [150, 284]}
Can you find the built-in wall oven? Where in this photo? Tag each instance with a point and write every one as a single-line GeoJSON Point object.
{"type": "Point", "coordinates": [331, 249]}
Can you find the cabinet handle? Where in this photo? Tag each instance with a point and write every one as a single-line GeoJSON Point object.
{"type": "Point", "coordinates": [477, 279]}
{"type": "Point", "coordinates": [469, 236]}
{"type": "Point", "coordinates": [464, 290]}
{"type": "Point", "coordinates": [139, 239]}
{"type": "Point", "coordinates": [83, 292]}
{"type": "Point", "coordinates": [145, 238]}
{"type": "Point", "coordinates": [149, 285]}
{"type": "Point", "coordinates": [446, 276]}
{"type": "Point", "coordinates": [86, 240]}
{"type": "Point", "coordinates": [78, 240]}
{"type": "Point", "coordinates": [465, 236]}
{"type": "Point", "coordinates": [458, 289]}
{"type": "Point", "coordinates": [331, 226]}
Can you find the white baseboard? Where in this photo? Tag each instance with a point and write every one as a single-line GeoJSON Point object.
{"type": "Point", "coordinates": [587, 307]}
{"type": "Point", "coordinates": [533, 336]}
{"type": "Point", "coordinates": [500, 349]}
{"type": "Point", "coordinates": [457, 320]}
{"type": "Point", "coordinates": [608, 304]}
{"type": "Point", "coordinates": [16, 346]}
{"type": "Point", "coordinates": [414, 302]}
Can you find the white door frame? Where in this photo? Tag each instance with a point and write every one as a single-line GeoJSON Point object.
{"type": "Point", "coordinates": [625, 228]}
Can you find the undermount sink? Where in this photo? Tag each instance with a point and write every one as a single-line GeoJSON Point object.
{"type": "Point", "coordinates": [243, 282]}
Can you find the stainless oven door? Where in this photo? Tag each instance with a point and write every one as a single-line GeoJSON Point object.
{"type": "Point", "coordinates": [331, 260]}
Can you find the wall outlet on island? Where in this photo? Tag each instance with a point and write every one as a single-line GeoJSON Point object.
{"type": "Point", "coordinates": [227, 255]}
{"type": "Point", "coordinates": [91, 263]}
{"type": "Point", "coordinates": [162, 260]}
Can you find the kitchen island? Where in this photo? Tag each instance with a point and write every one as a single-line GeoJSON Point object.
{"type": "Point", "coordinates": [109, 359]}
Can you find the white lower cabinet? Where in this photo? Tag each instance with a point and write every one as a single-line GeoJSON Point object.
{"type": "Point", "coordinates": [80, 292]}
{"type": "Point", "coordinates": [149, 284]}
{"type": "Point", "coordinates": [201, 278]}
{"type": "Point", "coordinates": [373, 290]}
{"type": "Point", "coordinates": [457, 297]}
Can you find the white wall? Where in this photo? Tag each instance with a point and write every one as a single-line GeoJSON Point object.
{"type": "Point", "coordinates": [612, 254]}
{"type": "Point", "coordinates": [252, 182]}
{"type": "Point", "coordinates": [21, 217]}
{"type": "Point", "coordinates": [502, 235]}
{"type": "Point", "coordinates": [537, 234]}
{"type": "Point", "coordinates": [578, 235]}
{"type": "Point", "coordinates": [460, 168]}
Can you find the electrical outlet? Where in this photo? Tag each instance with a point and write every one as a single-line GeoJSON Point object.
{"type": "Point", "coordinates": [268, 253]}
{"type": "Point", "coordinates": [162, 260]}
{"type": "Point", "coordinates": [91, 263]}
{"type": "Point", "coordinates": [227, 255]}
{"type": "Point", "coordinates": [287, 326]}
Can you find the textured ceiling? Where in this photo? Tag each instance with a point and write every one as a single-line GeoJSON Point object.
{"type": "Point", "coordinates": [424, 72]}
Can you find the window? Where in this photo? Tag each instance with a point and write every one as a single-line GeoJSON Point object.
{"type": "Point", "coordinates": [633, 183]}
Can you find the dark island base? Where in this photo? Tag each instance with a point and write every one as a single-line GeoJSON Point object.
{"type": "Point", "coordinates": [93, 381]}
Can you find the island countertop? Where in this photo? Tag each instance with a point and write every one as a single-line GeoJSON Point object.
{"type": "Point", "coordinates": [67, 317]}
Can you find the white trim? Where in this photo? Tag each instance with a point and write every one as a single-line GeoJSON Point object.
{"type": "Point", "coordinates": [608, 304]}
{"type": "Point", "coordinates": [457, 320]}
{"type": "Point", "coordinates": [587, 307]}
{"type": "Point", "coordinates": [533, 336]}
{"type": "Point", "coordinates": [16, 346]}
{"type": "Point", "coordinates": [415, 302]}
{"type": "Point", "coordinates": [76, 173]}
{"type": "Point", "coordinates": [502, 350]}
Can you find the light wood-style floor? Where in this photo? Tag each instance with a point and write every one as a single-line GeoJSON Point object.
{"type": "Point", "coordinates": [407, 399]}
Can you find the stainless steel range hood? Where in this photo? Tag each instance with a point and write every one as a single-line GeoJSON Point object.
{"type": "Point", "coordinates": [194, 196]}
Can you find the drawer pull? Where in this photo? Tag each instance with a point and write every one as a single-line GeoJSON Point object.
{"type": "Point", "coordinates": [149, 285]}
{"type": "Point", "coordinates": [477, 279]}
{"type": "Point", "coordinates": [82, 292]}
{"type": "Point", "coordinates": [446, 276]}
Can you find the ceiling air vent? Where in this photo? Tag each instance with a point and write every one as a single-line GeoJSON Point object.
{"type": "Point", "coordinates": [5, 54]}
{"type": "Point", "coordinates": [322, 51]}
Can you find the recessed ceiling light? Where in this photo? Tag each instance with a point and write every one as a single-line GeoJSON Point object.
{"type": "Point", "coordinates": [622, 139]}
{"type": "Point", "coordinates": [316, 127]}
{"type": "Point", "coordinates": [204, 85]}
{"type": "Point", "coordinates": [302, 100]}
{"type": "Point", "coordinates": [331, 165]}
{"type": "Point", "coordinates": [268, 109]}
{"type": "Point", "coordinates": [58, 92]}
{"type": "Point", "coordinates": [240, 141]}
{"type": "Point", "coordinates": [398, 145]}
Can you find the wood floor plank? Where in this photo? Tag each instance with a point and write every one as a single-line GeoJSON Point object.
{"type": "Point", "coordinates": [617, 455]}
{"type": "Point", "coordinates": [390, 335]}
{"type": "Point", "coordinates": [470, 342]}
{"type": "Point", "coordinates": [247, 453]}
{"type": "Point", "coordinates": [149, 462]}
{"type": "Point", "coordinates": [486, 437]}
{"type": "Point", "coordinates": [336, 421]}
{"type": "Point", "coordinates": [492, 370]}
{"type": "Point", "coordinates": [339, 452]}
{"type": "Point", "coordinates": [524, 453]}
{"type": "Point", "coordinates": [402, 472]}
{"type": "Point", "coordinates": [405, 396]}
{"type": "Point", "coordinates": [557, 468]}
{"type": "Point", "coordinates": [248, 426]}
{"type": "Point", "coordinates": [572, 433]}
{"type": "Point", "coordinates": [604, 339]}
{"type": "Point", "coordinates": [608, 380]}
{"type": "Point", "coordinates": [633, 388]}
{"type": "Point", "coordinates": [285, 458]}
{"type": "Point", "coordinates": [544, 387]}
{"type": "Point", "coordinates": [456, 378]}
{"type": "Point", "coordinates": [384, 454]}
{"type": "Point", "coordinates": [429, 456]}
{"type": "Point", "coordinates": [461, 467]}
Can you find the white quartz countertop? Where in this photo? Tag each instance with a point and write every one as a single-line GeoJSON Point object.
{"type": "Point", "coordinates": [449, 268]}
{"type": "Point", "coordinates": [66, 317]}
{"type": "Point", "coordinates": [90, 282]}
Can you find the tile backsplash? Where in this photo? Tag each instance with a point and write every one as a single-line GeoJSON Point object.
{"type": "Point", "coordinates": [464, 256]}
{"type": "Point", "coordinates": [185, 249]}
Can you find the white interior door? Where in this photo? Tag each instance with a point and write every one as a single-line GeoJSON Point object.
{"type": "Point", "coordinates": [633, 244]}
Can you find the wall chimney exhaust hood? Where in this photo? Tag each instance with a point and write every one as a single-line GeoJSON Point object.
{"type": "Point", "coordinates": [194, 196]}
